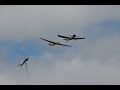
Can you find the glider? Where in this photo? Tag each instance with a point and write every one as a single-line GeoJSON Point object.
{"type": "Point", "coordinates": [25, 62]}
{"type": "Point", "coordinates": [51, 43]}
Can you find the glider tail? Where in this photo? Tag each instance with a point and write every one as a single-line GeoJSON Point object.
{"type": "Point", "coordinates": [20, 65]}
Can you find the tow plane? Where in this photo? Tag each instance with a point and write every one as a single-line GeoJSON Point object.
{"type": "Point", "coordinates": [70, 37]}
{"type": "Point", "coordinates": [51, 43]}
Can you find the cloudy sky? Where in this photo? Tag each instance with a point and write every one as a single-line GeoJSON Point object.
{"type": "Point", "coordinates": [95, 60]}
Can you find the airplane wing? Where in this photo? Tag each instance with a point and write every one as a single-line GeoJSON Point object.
{"type": "Point", "coordinates": [63, 36]}
{"type": "Point", "coordinates": [79, 38]}
{"type": "Point", "coordinates": [64, 45]}
{"type": "Point", "coordinates": [47, 40]}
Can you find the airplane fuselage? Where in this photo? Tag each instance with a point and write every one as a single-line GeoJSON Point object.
{"type": "Point", "coordinates": [73, 37]}
{"type": "Point", "coordinates": [70, 38]}
{"type": "Point", "coordinates": [52, 44]}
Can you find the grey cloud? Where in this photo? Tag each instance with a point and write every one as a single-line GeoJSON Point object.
{"type": "Point", "coordinates": [32, 21]}
{"type": "Point", "coordinates": [75, 71]}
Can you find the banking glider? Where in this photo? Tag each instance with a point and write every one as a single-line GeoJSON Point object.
{"type": "Point", "coordinates": [25, 62]}
{"type": "Point", "coordinates": [51, 43]}
{"type": "Point", "coordinates": [70, 37]}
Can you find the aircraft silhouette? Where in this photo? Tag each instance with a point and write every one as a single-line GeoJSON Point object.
{"type": "Point", "coordinates": [51, 43]}
{"type": "Point", "coordinates": [70, 37]}
{"type": "Point", "coordinates": [25, 62]}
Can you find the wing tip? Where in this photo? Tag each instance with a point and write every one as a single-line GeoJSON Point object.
{"type": "Point", "coordinates": [58, 35]}
{"type": "Point", "coordinates": [42, 38]}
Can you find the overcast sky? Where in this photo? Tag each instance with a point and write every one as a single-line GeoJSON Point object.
{"type": "Point", "coordinates": [94, 60]}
